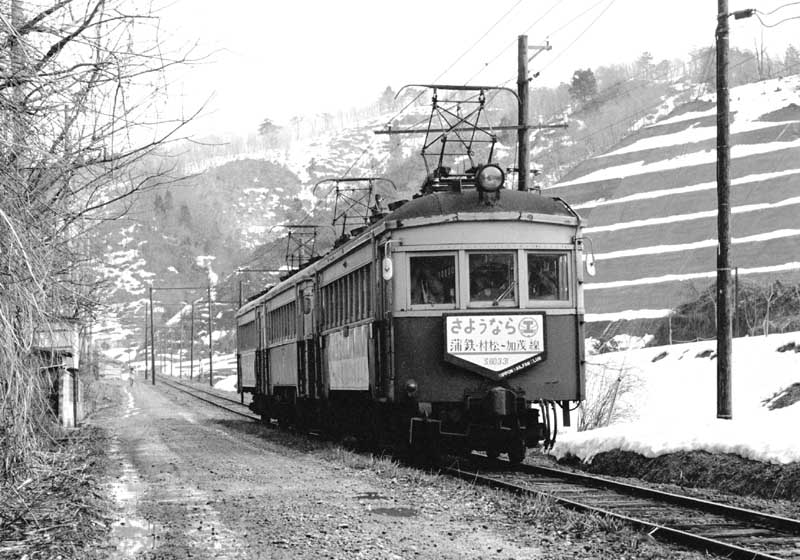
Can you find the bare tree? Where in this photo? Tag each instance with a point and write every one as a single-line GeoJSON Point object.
{"type": "Point", "coordinates": [80, 93]}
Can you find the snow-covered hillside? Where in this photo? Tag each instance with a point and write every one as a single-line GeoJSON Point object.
{"type": "Point", "coordinates": [650, 203]}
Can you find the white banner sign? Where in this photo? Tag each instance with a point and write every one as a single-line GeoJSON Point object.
{"type": "Point", "coordinates": [495, 342]}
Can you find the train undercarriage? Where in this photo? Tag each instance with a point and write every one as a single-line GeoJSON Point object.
{"type": "Point", "coordinates": [497, 422]}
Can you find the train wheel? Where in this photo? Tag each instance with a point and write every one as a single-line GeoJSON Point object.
{"type": "Point", "coordinates": [516, 451]}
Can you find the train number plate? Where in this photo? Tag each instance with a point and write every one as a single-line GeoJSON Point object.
{"type": "Point", "coordinates": [501, 344]}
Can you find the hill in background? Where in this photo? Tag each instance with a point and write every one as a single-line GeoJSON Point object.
{"type": "Point", "coordinates": [651, 203]}
{"type": "Point", "coordinates": [637, 161]}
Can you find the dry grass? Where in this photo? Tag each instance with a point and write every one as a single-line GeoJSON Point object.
{"type": "Point", "coordinates": [58, 510]}
{"type": "Point", "coordinates": [606, 387]}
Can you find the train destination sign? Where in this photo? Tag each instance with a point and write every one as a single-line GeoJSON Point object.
{"type": "Point", "coordinates": [495, 346]}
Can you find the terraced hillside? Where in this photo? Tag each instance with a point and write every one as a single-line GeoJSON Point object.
{"type": "Point", "coordinates": [651, 203]}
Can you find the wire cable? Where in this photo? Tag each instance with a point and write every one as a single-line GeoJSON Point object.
{"type": "Point", "coordinates": [509, 45]}
{"type": "Point", "coordinates": [581, 34]}
{"type": "Point", "coordinates": [458, 59]}
{"type": "Point", "coordinates": [765, 24]}
{"type": "Point", "coordinates": [780, 8]}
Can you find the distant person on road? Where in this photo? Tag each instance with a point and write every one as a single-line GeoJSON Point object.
{"type": "Point", "coordinates": [130, 376]}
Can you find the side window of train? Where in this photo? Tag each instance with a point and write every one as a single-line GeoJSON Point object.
{"type": "Point", "coordinates": [433, 279]}
{"type": "Point", "coordinates": [547, 277]}
{"type": "Point", "coordinates": [492, 278]}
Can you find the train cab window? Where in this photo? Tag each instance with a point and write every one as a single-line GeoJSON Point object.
{"type": "Point", "coordinates": [547, 277]}
{"type": "Point", "coordinates": [433, 279]}
{"type": "Point", "coordinates": [492, 278]}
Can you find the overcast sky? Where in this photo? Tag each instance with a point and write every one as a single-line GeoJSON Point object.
{"type": "Point", "coordinates": [276, 59]}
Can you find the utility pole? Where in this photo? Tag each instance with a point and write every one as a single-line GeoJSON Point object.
{"type": "Point", "coordinates": [523, 92]}
{"type": "Point", "coordinates": [724, 315]}
{"type": "Point", "coordinates": [180, 349]}
{"type": "Point", "coordinates": [523, 136]}
{"type": "Point", "coordinates": [146, 319]}
{"type": "Point", "coordinates": [724, 342]}
{"type": "Point", "coordinates": [152, 340]}
{"type": "Point", "coordinates": [210, 340]}
{"type": "Point", "coordinates": [191, 345]}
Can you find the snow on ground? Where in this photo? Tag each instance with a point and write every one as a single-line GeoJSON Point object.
{"type": "Point", "coordinates": [669, 404]}
{"type": "Point", "coordinates": [226, 384]}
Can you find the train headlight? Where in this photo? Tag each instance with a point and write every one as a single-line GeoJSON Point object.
{"type": "Point", "coordinates": [490, 178]}
{"type": "Point", "coordinates": [411, 387]}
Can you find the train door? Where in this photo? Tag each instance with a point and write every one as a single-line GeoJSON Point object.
{"type": "Point", "coordinates": [262, 367]}
{"type": "Point", "coordinates": [382, 292]}
{"type": "Point", "coordinates": [306, 374]}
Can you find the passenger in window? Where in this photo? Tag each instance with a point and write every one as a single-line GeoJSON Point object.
{"type": "Point", "coordinates": [543, 282]}
{"type": "Point", "coordinates": [492, 277]}
{"type": "Point", "coordinates": [427, 288]}
{"type": "Point", "coordinates": [490, 283]}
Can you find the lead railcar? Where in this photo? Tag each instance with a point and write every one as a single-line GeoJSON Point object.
{"type": "Point", "coordinates": [453, 321]}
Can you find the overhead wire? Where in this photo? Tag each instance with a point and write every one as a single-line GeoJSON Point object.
{"type": "Point", "coordinates": [581, 34]}
{"type": "Point", "coordinates": [467, 51]}
{"type": "Point", "coordinates": [776, 24]}
{"type": "Point", "coordinates": [450, 67]}
{"type": "Point", "coordinates": [446, 70]}
{"type": "Point", "coordinates": [509, 45]}
{"type": "Point", "coordinates": [780, 8]}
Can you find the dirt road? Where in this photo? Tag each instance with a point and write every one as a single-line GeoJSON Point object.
{"type": "Point", "coordinates": [192, 481]}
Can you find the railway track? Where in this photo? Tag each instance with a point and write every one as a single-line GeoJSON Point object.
{"type": "Point", "coordinates": [732, 532]}
{"type": "Point", "coordinates": [212, 398]}
{"type": "Point", "coordinates": [729, 531]}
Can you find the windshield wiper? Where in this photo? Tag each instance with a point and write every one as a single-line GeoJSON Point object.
{"type": "Point", "coordinates": [504, 294]}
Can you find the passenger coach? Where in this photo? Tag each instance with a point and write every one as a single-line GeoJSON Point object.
{"type": "Point", "coordinates": [453, 321]}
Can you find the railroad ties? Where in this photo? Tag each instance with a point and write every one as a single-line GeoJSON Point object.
{"type": "Point", "coordinates": [700, 524]}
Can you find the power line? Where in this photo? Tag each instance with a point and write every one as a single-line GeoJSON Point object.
{"type": "Point", "coordinates": [581, 34]}
{"type": "Point", "coordinates": [479, 40]}
{"type": "Point", "coordinates": [513, 42]}
{"type": "Point", "coordinates": [580, 15]}
{"type": "Point", "coordinates": [776, 24]}
{"type": "Point", "coordinates": [780, 8]}
{"type": "Point", "coordinates": [458, 59]}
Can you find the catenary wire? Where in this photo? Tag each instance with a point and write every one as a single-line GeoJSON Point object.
{"type": "Point", "coordinates": [407, 105]}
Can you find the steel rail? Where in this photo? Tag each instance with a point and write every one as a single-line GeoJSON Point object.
{"type": "Point", "coordinates": [250, 415]}
{"type": "Point", "coordinates": [206, 391]}
{"type": "Point", "coordinates": [652, 529]}
{"type": "Point", "coordinates": [744, 514]}
{"type": "Point", "coordinates": [656, 530]}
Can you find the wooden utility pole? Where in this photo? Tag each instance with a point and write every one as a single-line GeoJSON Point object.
{"type": "Point", "coordinates": [210, 340]}
{"type": "Point", "coordinates": [523, 92]}
{"type": "Point", "coordinates": [180, 349]}
{"type": "Point", "coordinates": [523, 136]}
{"type": "Point", "coordinates": [152, 340]}
{"type": "Point", "coordinates": [724, 322]}
{"type": "Point", "coordinates": [191, 345]}
{"type": "Point", "coordinates": [146, 319]}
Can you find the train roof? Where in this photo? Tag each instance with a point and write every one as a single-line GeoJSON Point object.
{"type": "Point", "coordinates": [444, 206]}
{"type": "Point", "coordinates": [447, 203]}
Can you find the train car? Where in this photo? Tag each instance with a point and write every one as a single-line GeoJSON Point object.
{"type": "Point", "coordinates": [454, 321]}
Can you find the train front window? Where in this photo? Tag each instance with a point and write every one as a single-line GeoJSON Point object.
{"type": "Point", "coordinates": [547, 277]}
{"type": "Point", "coordinates": [492, 278]}
{"type": "Point", "coordinates": [433, 279]}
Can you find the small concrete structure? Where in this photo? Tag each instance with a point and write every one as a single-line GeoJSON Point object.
{"type": "Point", "coordinates": [58, 345]}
